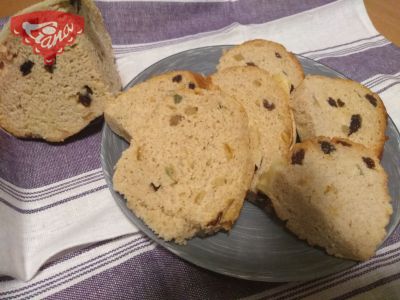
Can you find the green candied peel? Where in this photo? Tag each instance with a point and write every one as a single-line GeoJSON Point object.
{"type": "Point", "coordinates": [177, 98]}
{"type": "Point", "coordinates": [170, 171]}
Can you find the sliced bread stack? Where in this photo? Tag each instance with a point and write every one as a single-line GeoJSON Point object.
{"type": "Point", "coordinates": [266, 102]}
{"type": "Point", "coordinates": [332, 193]}
{"type": "Point", "coordinates": [55, 102]}
{"type": "Point", "coordinates": [198, 144]}
{"type": "Point", "coordinates": [189, 167]}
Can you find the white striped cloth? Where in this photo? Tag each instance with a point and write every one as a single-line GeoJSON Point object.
{"type": "Point", "coordinates": [39, 222]}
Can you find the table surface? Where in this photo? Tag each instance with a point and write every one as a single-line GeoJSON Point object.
{"type": "Point", "coordinates": [384, 14]}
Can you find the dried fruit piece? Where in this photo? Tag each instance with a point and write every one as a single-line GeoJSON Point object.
{"type": "Point", "coordinates": [192, 86]}
{"type": "Point", "coordinates": [327, 147]}
{"type": "Point", "coordinates": [85, 100]}
{"type": "Point", "coordinates": [220, 106]}
{"type": "Point", "coordinates": [297, 157]}
{"type": "Point", "coordinates": [291, 88]}
{"type": "Point", "coordinates": [257, 82]}
{"type": "Point", "coordinates": [332, 102]}
{"type": "Point", "coordinates": [228, 151]}
{"type": "Point", "coordinates": [371, 99]}
{"type": "Point", "coordinates": [369, 162]}
{"type": "Point", "coordinates": [155, 187]}
{"type": "Point", "coordinates": [88, 89]}
{"type": "Point", "coordinates": [170, 171]}
{"type": "Point", "coordinates": [26, 67]}
{"type": "Point", "coordinates": [175, 120]}
{"type": "Point", "coordinates": [139, 154]}
{"type": "Point", "coordinates": [355, 124]}
{"type": "Point", "coordinates": [177, 98]}
{"type": "Point", "coordinates": [286, 136]}
{"type": "Point", "coordinates": [330, 189]}
{"type": "Point", "coordinates": [84, 96]}
{"type": "Point", "coordinates": [340, 103]}
{"type": "Point", "coordinates": [238, 57]}
{"type": "Point", "coordinates": [191, 110]}
{"type": "Point", "coordinates": [251, 64]}
{"type": "Point", "coordinates": [177, 78]}
{"type": "Point", "coordinates": [219, 181]}
{"type": "Point", "coordinates": [277, 55]}
{"type": "Point", "coordinates": [267, 105]}
{"type": "Point", "coordinates": [199, 197]}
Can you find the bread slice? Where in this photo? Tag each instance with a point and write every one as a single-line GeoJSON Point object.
{"type": "Point", "coordinates": [56, 102]}
{"type": "Point", "coordinates": [130, 110]}
{"type": "Point", "coordinates": [189, 167]}
{"type": "Point", "coordinates": [335, 107]}
{"type": "Point", "coordinates": [267, 55]}
{"type": "Point", "coordinates": [334, 194]}
{"type": "Point", "coordinates": [266, 103]}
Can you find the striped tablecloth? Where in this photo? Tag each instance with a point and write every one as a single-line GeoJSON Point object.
{"type": "Point", "coordinates": [64, 237]}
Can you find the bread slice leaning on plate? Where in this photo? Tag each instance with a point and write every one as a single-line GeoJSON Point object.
{"type": "Point", "coordinates": [334, 194]}
{"type": "Point", "coordinates": [189, 166]}
{"type": "Point", "coordinates": [266, 101]}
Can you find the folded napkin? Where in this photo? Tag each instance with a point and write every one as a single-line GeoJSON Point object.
{"type": "Point", "coordinates": [54, 197]}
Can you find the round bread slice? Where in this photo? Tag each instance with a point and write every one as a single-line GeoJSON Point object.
{"type": "Point", "coordinates": [56, 102]}
{"type": "Point", "coordinates": [266, 102]}
{"type": "Point", "coordinates": [131, 109]}
{"type": "Point", "coordinates": [267, 55]}
{"type": "Point", "coordinates": [188, 169]}
{"type": "Point", "coordinates": [334, 194]}
{"type": "Point", "coordinates": [335, 107]}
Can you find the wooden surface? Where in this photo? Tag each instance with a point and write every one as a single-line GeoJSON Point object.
{"type": "Point", "coordinates": [385, 14]}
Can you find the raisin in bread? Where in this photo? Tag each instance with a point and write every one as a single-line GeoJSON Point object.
{"type": "Point", "coordinates": [267, 55]}
{"type": "Point", "coordinates": [188, 169]}
{"type": "Point", "coordinates": [335, 107]}
{"type": "Point", "coordinates": [56, 102]}
{"type": "Point", "coordinates": [334, 194]}
{"type": "Point", "coordinates": [266, 103]}
{"type": "Point", "coordinates": [130, 110]}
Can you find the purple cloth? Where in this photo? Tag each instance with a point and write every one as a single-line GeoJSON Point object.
{"type": "Point", "coordinates": [158, 274]}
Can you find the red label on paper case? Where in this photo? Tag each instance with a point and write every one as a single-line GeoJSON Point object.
{"type": "Point", "coordinates": [47, 32]}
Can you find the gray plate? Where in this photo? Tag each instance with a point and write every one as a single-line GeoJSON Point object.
{"type": "Point", "coordinates": [258, 247]}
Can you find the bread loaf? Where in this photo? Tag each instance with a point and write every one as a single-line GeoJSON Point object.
{"type": "Point", "coordinates": [55, 102]}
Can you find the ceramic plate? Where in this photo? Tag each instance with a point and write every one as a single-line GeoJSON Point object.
{"type": "Point", "coordinates": [258, 247]}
